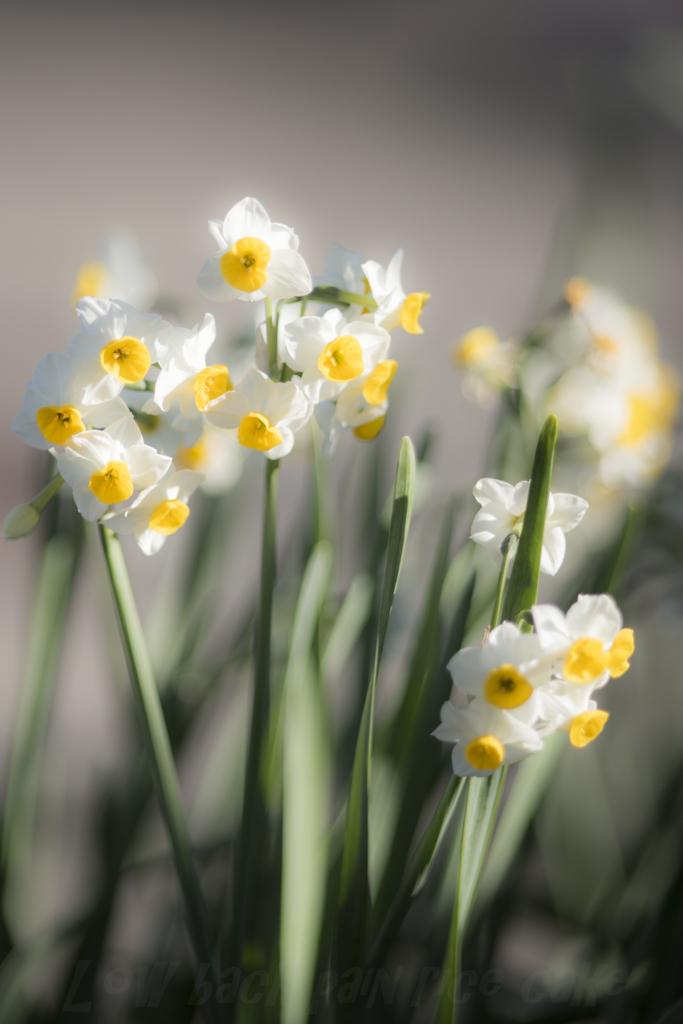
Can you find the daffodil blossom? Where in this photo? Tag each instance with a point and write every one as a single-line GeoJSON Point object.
{"type": "Point", "coordinates": [505, 671]}
{"type": "Point", "coordinates": [589, 643]}
{"type": "Point", "coordinates": [394, 307]}
{"type": "Point", "coordinates": [488, 364]}
{"type": "Point", "coordinates": [561, 705]}
{"type": "Point", "coordinates": [265, 414]}
{"type": "Point", "coordinates": [217, 455]}
{"type": "Point", "coordinates": [116, 345]}
{"type": "Point", "coordinates": [361, 407]}
{"type": "Point", "coordinates": [121, 273]}
{"type": "Point", "coordinates": [164, 431]}
{"type": "Point", "coordinates": [256, 259]}
{"type": "Point", "coordinates": [485, 737]}
{"type": "Point", "coordinates": [55, 407]}
{"type": "Point", "coordinates": [331, 353]}
{"type": "Point", "coordinates": [158, 511]}
{"type": "Point", "coordinates": [503, 506]}
{"type": "Point", "coordinates": [184, 374]}
{"type": "Point", "coordinates": [622, 339]}
{"type": "Point", "coordinates": [105, 467]}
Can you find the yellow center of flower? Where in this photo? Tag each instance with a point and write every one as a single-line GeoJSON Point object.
{"type": "Point", "coordinates": [606, 344]}
{"type": "Point", "coordinates": [369, 431]}
{"type": "Point", "coordinates": [367, 290]}
{"type": "Point", "coordinates": [651, 414]}
{"type": "Point", "coordinates": [112, 484]}
{"type": "Point", "coordinates": [586, 727]}
{"type": "Point", "coordinates": [485, 753]}
{"type": "Point", "coordinates": [57, 423]}
{"type": "Point", "coordinates": [576, 290]}
{"type": "Point", "coordinates": [256, 431]}
{"type": "Point", "coordinates": [90, 280]}
{"type": "Point", "coordinates": [619, 653]}
{"type": "Point", "coordinates": [585, 661]}
{"type": "Point", "coordinates": [244, 266]}
{"type": "Point", "coordinates": [210, 383]}
{"type": "Point", "coordinates": [477, 347]}
{"type": "Point", "coordinates": [506, 687]}
{"type": "Point", "coordinates": [169, 516]}
{"type": "Point", "coordinates": [191, 458]}
{"type": "Point", "coordinates": [410, 312]}
{"type": "Point", "coordinates": [379, 382]}
{"type": "Point", "coordinates": [342, 359]}
{"type": "Point", "coordinates": [127, 359]}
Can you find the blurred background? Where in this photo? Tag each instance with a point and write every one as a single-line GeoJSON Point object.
{"type": "Point", "coordinates": [504, 145]}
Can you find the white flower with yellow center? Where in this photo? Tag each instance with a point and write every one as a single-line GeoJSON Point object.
{"type": "Point", "coordinates": [488, 364]}
{"type": "Point", "coordinates": [361, 407]}
{"type": "Point", "coordinates": [55, 407]}
{"type": "Point", "coordinates": [621, 337]}
{"type": "Point", "coordinates": [504, 671]}
{"type": "Point", "coordinates": [158, 511]}
{"type": "Point", "coordinates": [165, 431]}
{"type": "Point", "coordinates": [562, 705]}
{"type": "Point", "coordinates": [331, 353]}
{"type": "Point", "coordinates": [502, 511]}
{"type": "Point", "coordinates": [265, 414]}
{"type": "Point", "coordinates": [106, 467]}
{"type": "Point", "coordinates": [588, 645]}
{"type": "Point", "coordinates": [116, 345]}
{"type": "Point", "coordinates": [184, 375]}
{"type": "Point", "coordinates": [256, 259]}
{"type": "Point", "coordinates": [394, 307]}
{"type": "Point", "coordinates": [217, 455]}
{"type": "Point", "coordinates": [122, 273]}
{"type": "Point", "coordinates": [485, 737]}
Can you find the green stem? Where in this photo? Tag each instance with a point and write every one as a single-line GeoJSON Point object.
{"type": "Point", "coordinates": [337, 297]}
{"type": "Point", "coordinates": [159, 753]}
{"type": "Point", "coordinates": [271, 329]}
{"type": "Point", "coordinates": [507, 548]}
{"type": "Point", "coordinates": [47, 494]}
{"type": "Point", "coordinates": [254, 802]}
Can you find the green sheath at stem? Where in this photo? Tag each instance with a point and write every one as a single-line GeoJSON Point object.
{"type": "Point", "coordinates": [159, 754]}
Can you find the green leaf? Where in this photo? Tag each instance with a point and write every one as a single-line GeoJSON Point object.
{"type": "Point", "coordinates": [305, 789]}
{"type": "Point", "coordinates": [348, 626]}
{"type": "Point", "coordinates": [522, 589]}
{"type": "Point", "coordinates": [482, 800]}
{"type": "Point", "coordinates": [354, 893]}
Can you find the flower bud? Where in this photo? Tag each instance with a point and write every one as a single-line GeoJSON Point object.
{"type": "Point", "coordinates": [20, 522]}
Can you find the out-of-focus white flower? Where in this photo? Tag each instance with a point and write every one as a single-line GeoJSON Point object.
{"type": "Point", "coordinates": [184, 375]}
{"type": "Point", "coordinates": [105, 467]}
{"type": "Point", "coordinates": [489, 364]}
{"type": "Point", "coordinates": [621, 337]}
{"type": "Point", "coordinates": [121, 273]}
{"type": "Point", "coordinates": [331, 352]}
{"type": "Point", "coordinates": [55, 407]}
{"type": "Point", "coordinates": [264, 413]}
{"type": "Point", "coordinates": [485, 737]}
{"type": "Point", "coordinates": [158, 511]}
{"type": "Point", "coordinates": [116, 345]}
{"type": "Point", "coordinates": [503, 507]}
{"type": "Point", "coordinates": [504, 671]}
{"type": "Point", "coordinates": [217, 455]}
{"type": "Point", "coordinates": [394, 307]}
{"type": "Point", "coordinates": [589, 643]}
{"type": "Point", "coordinates": [165, 431]}
{"type": "Point", "coordinates": [256, 259]}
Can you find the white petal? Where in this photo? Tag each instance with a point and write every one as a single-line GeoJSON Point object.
{"type": "Point", "coordinates": [282, 237]}
{"type": "Point", "coordinates": [554, 547]}
{"type": "Point", "coordinates": [146, 465]}
{"type": "Point", "coordinates": [568, 512]}
{"type": "Point", "coordinates": [228, 411]}
{"type": "Point", "coordinates": [125, 430]}
{"type": "Point", "coordinates": [551, 627]}
{"type": "Point", "coordinates": [149, 541]}
{"type": "Point", "coordinates": [488, 490]}
{"type": "Point", "coordinates": [212, 283]}
{"type": "Point", "coordinates": [216, 229]}
{"type": "Point", "coordinates": [246, 219]}
{"type": "Point", "coordinates": [469, 670]}
{"type": "Point", "coordinates": [288, 275]}
{"type": "Point", "coordinates": [285, 446]}
{"type": "Point", "coordinates": [518, 497]}
{"type": "Point", "coordinates": [595, 615]}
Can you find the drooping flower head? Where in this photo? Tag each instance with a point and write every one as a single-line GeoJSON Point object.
{"type": "Point", "coordinates": [185, 376]}
{"type": "Point", "coordinates": [484, 737]}
{"type": "Point", "coordinates": [256, 259]}
{"type": "Point", "coordinates": [394, 307]}
{"type": "Point", "coordinates": [158, 511]}
{"type": "Point", "coordinates": [121, 273]}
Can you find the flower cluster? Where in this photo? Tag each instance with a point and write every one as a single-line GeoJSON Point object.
{"type": "Point", "coordinates": [138, 415]}
{"type": "Point", "coordinates": [519, 687]}
{"type": "Point", "coordinates": [618, 393]}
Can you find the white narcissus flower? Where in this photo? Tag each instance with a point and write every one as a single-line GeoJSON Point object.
{"type": "Point", "coordinates": [503, 506]}
{"type": "Point", "coordinates": [106, 467]}
{"type": "Point", "coordinates": [505, 671]}
{"type": "Point", "coordinates": [589, 643]}
{"type": "Point", "coordinates": [361, 407]}
{"type": "Point", "coordinates": [158, 511]}
{"type": "Point", "coordinates": [55, 407]}
{"type": "Point", "coordinates": [184, 374]}
{"type": "Point", "coordinates": [561, 705]}
{"type": "Point", "coordinates": [394, 307]}
{"type": "Point", "coordinates": [623, 338]}
{"type": "Point", "coordinates": [264, 413]}
{"type": "Point", "coordinates": [121, 273]}
{"type": "Point", "coordinates": [489, 365]}
{"type": "Point", "coordinates": [485, 737]}
{"type": "Point", "coordinates": [116, 345]}
{"type": "Point", "coordinates": [331, 353]}
{"type": "Point", "coordinates": [256, 259]}
{"type": "Point", "coordinates": [217, 455]}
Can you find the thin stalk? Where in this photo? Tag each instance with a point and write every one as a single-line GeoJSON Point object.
{"type": "Point", "coordinates": [271, 329]}
{"type": "Point", "coordinates": [159, 753]}
{"type": "Point", "coordinates": [48, 492]}
{"type": "Point", "coordinates": [507, 549]}
{"type": "Point", "coordinates": [254, 803]}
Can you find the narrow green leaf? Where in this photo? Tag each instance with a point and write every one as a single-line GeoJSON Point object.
{"type": "Point", "coordinates": [305, 783]}
{"type": "Point", "coordinates": [348, 626]}
{"type": "Point", "coordinates": [354, 894]}
{"type": "Point", "coordinates": [522, 589]}
{"type": "Point", "coordinates": [482, 799]}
